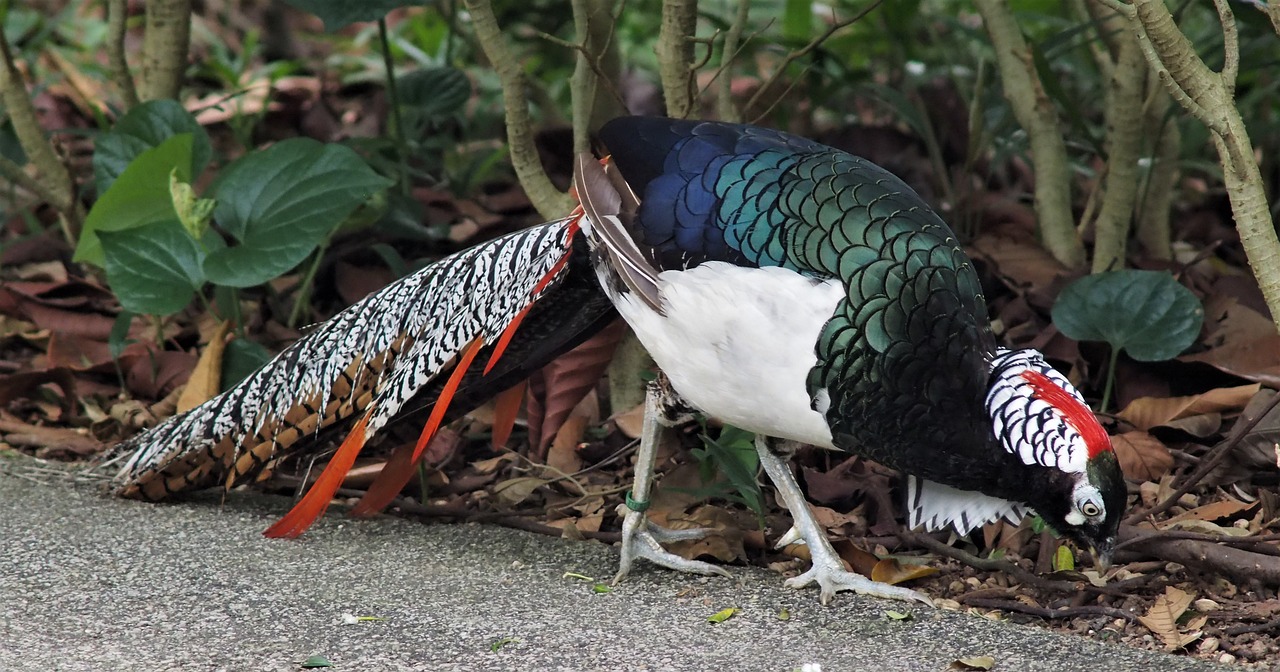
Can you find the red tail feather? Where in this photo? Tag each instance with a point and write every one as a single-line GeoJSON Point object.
{"type": "Point", "coordinates": [505, 408]}
{"type": "Point", "coordinates": [395, 475]}
{"type": "Point", "coordinates": [313, 504]}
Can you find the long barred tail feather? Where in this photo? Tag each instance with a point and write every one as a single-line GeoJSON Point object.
{"type": "Point", "coordinates": [384, 354]}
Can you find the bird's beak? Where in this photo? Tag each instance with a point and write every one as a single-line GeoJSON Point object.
{"type": "Point", "coordinates": [1102, 554]}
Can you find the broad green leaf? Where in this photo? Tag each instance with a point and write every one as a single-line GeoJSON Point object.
{"type": "Point", "coordinates": [338, 14]}
{"type": "Point", "coordinates": [241, 358]}
{"type": "Point", "coordinates": [601, 588]}
{"type": "Point", "coordinates": [435, 91]}
{"type": "Point", "coordinates": [153, 269]}
{"type": "Point", "coordinates": [140, 196]}
{"type": "Point", "coordinates": [281, 203]}
{"type": "Point", "coordinates": [797, 17]}
{"type": "Point", "coordinates": [1147, 314]}
{"type": "Point", "coordinates": [144, 127]}
{"type": "Point", "coordinates": [898, 615]}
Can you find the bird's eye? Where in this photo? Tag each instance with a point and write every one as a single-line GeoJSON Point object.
{"type": "Point", "coordinates": [1090, 509]}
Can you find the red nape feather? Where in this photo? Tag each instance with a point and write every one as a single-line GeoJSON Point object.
{"type": "Point", "coordinates": [397, 473]}
{"type": "Point", "coordinates": [313, 504]}
{"type": "Point", "coordinates": [505, 408]}
{"type": "Point", "coordinates": [1079, 415]}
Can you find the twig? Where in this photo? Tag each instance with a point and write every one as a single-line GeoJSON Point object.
{"type": "Point", "coordinates": [1044, 612]}
{"type": "Point", "coordinates": [1207, 464]}
{"type": "Point", "coordinates": [804, 51]}
{"type": "Point", "coordinates": [1256, 627]}
{"type": "Point", "coordinates": [1206, 556]}
{"type": "Point", "coordinates": [1004, 566]}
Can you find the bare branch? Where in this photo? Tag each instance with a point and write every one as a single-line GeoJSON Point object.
{"type": "Point", "coordinates": [675, 54]}
{"type": "Point", "coordinates": [732, 44]}
{"type": "Point", "coordinates": [548, 200]}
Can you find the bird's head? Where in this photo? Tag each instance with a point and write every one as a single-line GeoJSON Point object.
{"type": "Point", "coordinates": [1040, 417]}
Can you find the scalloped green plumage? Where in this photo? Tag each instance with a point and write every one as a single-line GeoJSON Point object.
{"type": "Point", "coordinates": [1147, 314]}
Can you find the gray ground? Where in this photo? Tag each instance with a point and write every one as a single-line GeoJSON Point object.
{"type": "Point", "coordinates": [93, 583]}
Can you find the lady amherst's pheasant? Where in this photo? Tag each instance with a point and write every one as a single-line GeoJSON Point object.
{"type": "Point", "coordinates": [782, 286]}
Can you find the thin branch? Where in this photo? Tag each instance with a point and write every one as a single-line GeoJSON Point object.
{"type": "Point", "coordinates": [804, 51]}
{"type": "Point", "coordinates": [117, 20]}
{"type": "Point", "coordinates": [548, 200]}
{"type": "Point", "coordinates": [1045, 612]}
{"type": "Point", "coordinates": [1003, 566]}
{"type": "Point", "coordinates": [1230, 47]}
{"type": "Point", "coordinates": [15, 174]}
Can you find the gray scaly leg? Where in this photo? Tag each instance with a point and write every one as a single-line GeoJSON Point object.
{"type": "Point", "coordinates": [827, 571]}
{"type": "Point", "coordinates": [641, 538]}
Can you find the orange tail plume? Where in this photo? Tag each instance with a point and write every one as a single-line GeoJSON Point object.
{"type": "Point", "coordinates": [396, 474]}
{"type": "Point", "coordinates": [313, 504]}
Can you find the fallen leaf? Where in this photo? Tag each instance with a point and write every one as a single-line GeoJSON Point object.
{"type": "Point", "coordinates": [892, 572]}
{"type": "Point", "coordinates": [859, 560]}
{"type": "Point", "coordinates": [557, 388]}
{"type": "Point", "coordinates": [1142, 457]}
{"type": "Point", "coordinates": [1147, 412]}
{"type": "Point", "coordinates": [1063, 559]}
{"type": "Point", "coordinates": [898, 615]}
{"type": "Point", "coordinates": [722, 615]}
{"type": "Point", "coordinates": [630, 422]}
{"type": "Point", "coordinates": [1213, 511]}
{"type": "Point", "coordinates": [206, 379]}
{"type": "Point", "coordinates": [515, 490]}
{"type": "Point", "coordinates": [1162, 618]}
{"type": "Point", "coordinates": [973, 663]}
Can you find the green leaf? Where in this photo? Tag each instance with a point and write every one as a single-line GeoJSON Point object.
{"type": "Point", "coordinates": [898, 615]}
{"type": "Point", "coordinates": [145, 127]}
{"type": "Point", "coordinates": [140, 196]}
{"type": "Point", "coordinates": [601, 588]}
{"type": "Point", "coordinates": [502, 642]}
{"type": "Point", "coordinates": [1063, 559]}
{"type": "Point", "coordinates": [153, 269]}
{"type": "Point", "coordinates": [784, 614]}
{"type": "Point", "coordinates": [119, 338]}
{"type": "Point", "coordinates": [241, 358]}
{"type": "Point", "coordinates": [797, 17]}
{"type": "Point", "coordinates": [1148, 314]}
{"type": "Point", "coordinates": [435, 92]}
{"type": "Point", "coordinates": [281, 203]}
{"type": "Point", "coordinates": [313, 662]}
{"type": "Point", "coordinates": [722, 615]}
{"type": "Point", "coordinates": [338, 14]}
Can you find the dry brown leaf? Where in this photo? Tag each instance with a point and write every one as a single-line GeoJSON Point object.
{"type": "Point", "coordinates": [859, 560]}
{"type": "Point", "coordinates": [1147, 412]}
{"type": "Point", "coordinates": [1142, 457]}
{"type": "Point", "coordinates": [724, 543]}
{"type": "Point", "coordinates": [491, 465]}
{"type": "Point", "coordinates": [630, 422]}
{"type": "Point", "coordinates": [515, 490]}
{"type": "Point", "coordinates": [1199, 426]}
{"type": "Point", "coordinates": [1021, 262]}
{"type": "Point", "coordinates": [206, 378]}
{"type": "Point", "coordinates": [973, 663]}
{"type": "Point", "coordinates": [1162, 618]}
{"type": "Point", "coordinates": [1214, 511]}
{"type": "Point", "coordinates": [50, 442]}
{"type": "Point", "coordinates": [563, 453]}
{"type": "Point", "coordinates": [892, 572]}
{"type": "Point", "coordinates": [556, 389]}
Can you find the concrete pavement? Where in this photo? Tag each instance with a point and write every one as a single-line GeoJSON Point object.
{"type": "Point", "coordinates": [88, 582]}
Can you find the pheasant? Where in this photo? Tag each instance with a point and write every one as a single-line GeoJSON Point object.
{"type": "Point", "coordinates": [781, 285]}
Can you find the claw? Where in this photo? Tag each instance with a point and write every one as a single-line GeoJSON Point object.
{"type": "Point", "coordinates": [830, 575]}
{"type": "Point", "coordinates": [792, 536]}
{"type": "Point", "coordinates": [643, 539]}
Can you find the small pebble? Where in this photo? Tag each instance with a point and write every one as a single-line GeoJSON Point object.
{"type": "Point", "coordinates": [1205, 605]}
{"type": "Point", "coordinates": [1209, 645]}
{"type": "Point", "coordinates": [1226, 658]}
{"type": "Point", "coordinates": [1173, 568]}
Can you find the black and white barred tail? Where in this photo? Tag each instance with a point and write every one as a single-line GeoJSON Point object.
{"type": "Point", "coordinates": [366, 362]}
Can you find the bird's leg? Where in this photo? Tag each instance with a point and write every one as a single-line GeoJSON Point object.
{"type": "Point", "coordinates": [828, 571]}
{"type": "Point", "coordinates": [641, 538]}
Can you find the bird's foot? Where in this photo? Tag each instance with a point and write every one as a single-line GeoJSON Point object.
{"type": "Point", "coordinates": [641, 538]}
{"type": "Point", "coordinates": [831, 576]}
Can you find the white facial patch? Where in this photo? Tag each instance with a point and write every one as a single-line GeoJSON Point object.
{"type": "Point", "coordinates": [1026, 425]}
